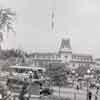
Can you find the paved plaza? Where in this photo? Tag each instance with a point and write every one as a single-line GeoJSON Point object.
{"type": "Point", "coordinates": [74, 94]}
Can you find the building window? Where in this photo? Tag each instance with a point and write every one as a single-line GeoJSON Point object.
{"type": "Point", "coordinates": [87, 59]}
{"type": "Point", "coordinates": [79, 65]}
{"type": "Point", "coordinates": [66, 57]}
{"type": "Point", "coordinates": [73, 65]}
{"type": "Point", "coordinates": [84, 59]}
{"type": "Point", "coordinates": [87, 64]}
{"type": "Point", "coordinates": [73, 57]}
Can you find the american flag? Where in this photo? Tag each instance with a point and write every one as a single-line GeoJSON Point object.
{"type": "Point", "coordinates": [52, 23]}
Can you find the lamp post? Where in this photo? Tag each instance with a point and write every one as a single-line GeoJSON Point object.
{"type": "Point", "coordinates": [73, 76]}
{"type": "Point", "coordinates": [97, 90]}
{"type": "Point", "coordinates": [88, 78]}
{"type": "Point", "coordinates": [30, 83]}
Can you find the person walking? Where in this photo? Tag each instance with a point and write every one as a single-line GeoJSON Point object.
{"type": "Point", "coordinates": [89, 95]}
{"type": "Point", "coordinates": [96, 95]}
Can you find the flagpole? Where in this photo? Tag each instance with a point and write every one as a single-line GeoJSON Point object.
{"type": "Point", "coordinates": [53, 9]}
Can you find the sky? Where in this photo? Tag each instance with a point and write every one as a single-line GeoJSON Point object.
{"type": "Point", "coordinates": [77, 19]}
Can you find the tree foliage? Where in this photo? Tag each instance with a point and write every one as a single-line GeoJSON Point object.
{"type": "Point", "coordinates": [7, 17]}
{"type": "Point", "coordinates": [6, 54]}
{"type": "Point", "coordinates": [13, 57]}
{"type": "Point", "coordinates": [7, 20]}
{"type": "Point", "coordinates": [57, 73]}
{"type": "Point", "coordinates": [82, 70]}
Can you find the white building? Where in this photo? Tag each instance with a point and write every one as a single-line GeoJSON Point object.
{"type": "Point", "coordinates": [64, 55]}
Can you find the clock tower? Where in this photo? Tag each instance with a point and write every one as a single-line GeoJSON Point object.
{"type": "Point", "coordinates": [65, 51]}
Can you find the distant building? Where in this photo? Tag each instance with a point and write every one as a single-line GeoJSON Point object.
{"type": "Point", "coordinates": [64, 55]}
{"type": "Point", "coordinates": [97, 63]}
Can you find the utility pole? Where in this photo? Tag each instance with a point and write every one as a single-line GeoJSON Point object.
{"type": "Point", "coordinates": [1, 39]}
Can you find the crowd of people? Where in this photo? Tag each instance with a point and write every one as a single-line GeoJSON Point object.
{"type": "Point", "coordinates": [6, 91]}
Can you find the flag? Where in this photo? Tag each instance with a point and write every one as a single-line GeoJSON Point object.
{"type": "Point", "coordinates": [52, 22]}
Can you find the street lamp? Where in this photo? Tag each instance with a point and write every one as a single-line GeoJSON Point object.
{"type": "Point", "coordinates": [30, 83]}
{"type": "Point", "coordinates": [88, 77]}
{"type": "Point", "coordinates": [73, 76]}
{"type": "Point", "coordinates": [88, 71]}
{"type": "Point", "coordinates": [0, 96]}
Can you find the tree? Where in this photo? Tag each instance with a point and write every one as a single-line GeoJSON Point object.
{"type": "Point", "coordinates": [82, 70]}
{"type": "Point", "coordinates": [58, 74]}
{"type": "Point", "coordinates": [7, 18]}
{"type": "Point", "coordinates": [57, 70]}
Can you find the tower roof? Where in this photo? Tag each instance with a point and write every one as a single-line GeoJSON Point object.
{"type": "Point", "coordinates": [65, 43]}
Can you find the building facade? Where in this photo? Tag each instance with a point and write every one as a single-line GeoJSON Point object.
{"type": "Point", "coordinates": [64, 55]}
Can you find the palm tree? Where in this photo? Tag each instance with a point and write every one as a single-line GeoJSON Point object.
{"type": "Point", "coordinates": [7, 18]}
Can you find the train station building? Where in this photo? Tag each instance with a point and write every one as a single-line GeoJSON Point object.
{"type": "Point", "coordinates": [64, 55]}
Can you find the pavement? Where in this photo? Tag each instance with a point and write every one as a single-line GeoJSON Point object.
{"type": "Point", "coordinates": [74, 94]}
